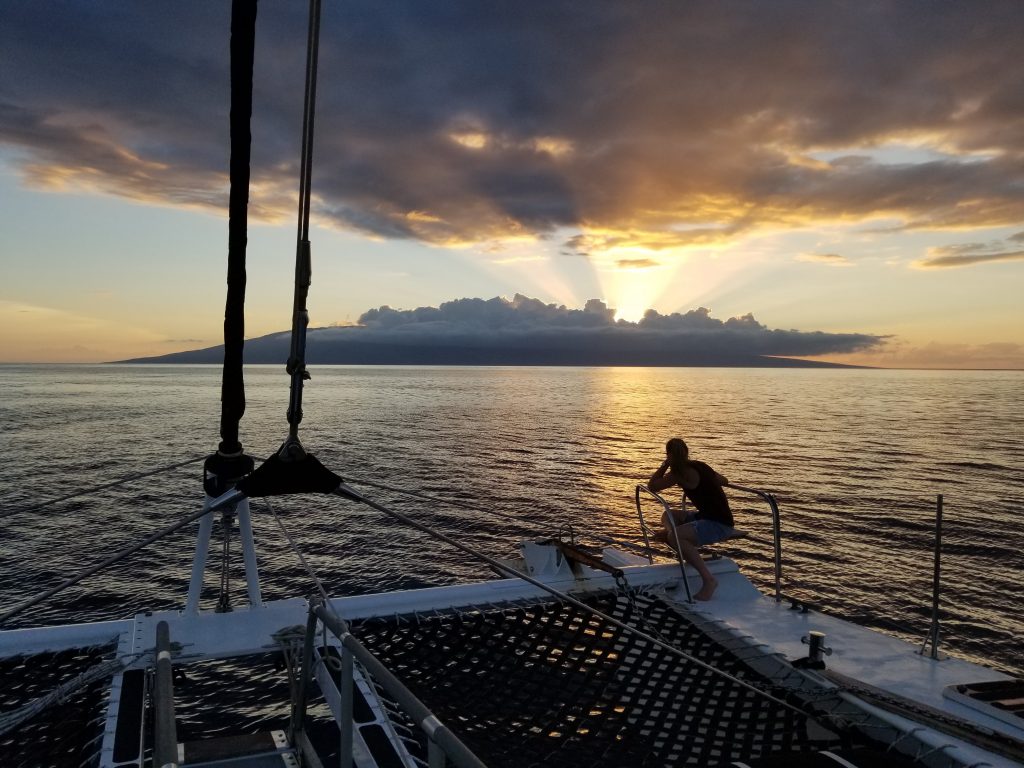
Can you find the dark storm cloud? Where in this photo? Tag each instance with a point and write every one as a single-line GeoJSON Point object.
{"type": "Point", "coordinates": [527, 323]}
{"type": "Point", "coordinates": [653, 124]}
{"type": "Point", "coordinates": [525, 331]}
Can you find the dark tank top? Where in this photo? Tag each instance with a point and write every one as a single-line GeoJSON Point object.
{"type": "Point", "coordinates": [708, 497]}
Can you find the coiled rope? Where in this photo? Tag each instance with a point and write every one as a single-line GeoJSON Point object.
{"type": "Point", "coordinates": [12, 719]}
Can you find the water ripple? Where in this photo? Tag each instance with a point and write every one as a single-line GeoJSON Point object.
{"type": "Point", "coordinates": [856, 459]}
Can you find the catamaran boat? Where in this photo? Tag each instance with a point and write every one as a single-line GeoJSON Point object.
{"type": "Point", "coordinates": [573, 656]}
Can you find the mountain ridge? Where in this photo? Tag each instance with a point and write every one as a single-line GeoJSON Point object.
{"type": "Point", "coordinates": [354, 345]}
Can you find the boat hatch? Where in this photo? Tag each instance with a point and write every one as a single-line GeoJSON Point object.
{"type": "Point", "coordinates": [1002, 699]}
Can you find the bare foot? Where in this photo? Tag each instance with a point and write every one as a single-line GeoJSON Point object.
{"type": "Point", "coordinates": [707, 590]}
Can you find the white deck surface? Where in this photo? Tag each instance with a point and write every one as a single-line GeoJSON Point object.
{"type": "Point", "coordinates": [870, 656]}
{"type": "Point", "coordinates": [26, 642]}
{"type": "Point", "coordinates": [218, 635]}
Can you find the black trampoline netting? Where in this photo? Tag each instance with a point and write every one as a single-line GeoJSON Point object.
{"type": "Point", "coordinates": [549, 683]}
{"type": "Point", "coordinates": [58, 736]}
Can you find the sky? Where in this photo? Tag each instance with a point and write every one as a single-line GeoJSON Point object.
{"type": "Point", "coordinates": [848, 172]}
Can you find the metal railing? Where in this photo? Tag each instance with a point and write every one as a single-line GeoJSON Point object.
{"type": "Point", "coordinates": [668, 507]}
{"type": "Point", "coordinates": [773, 504]}
{"type": "Point", "coordinates": [442, 744]}
{"type": "Point", "coordinates": [645, 529]}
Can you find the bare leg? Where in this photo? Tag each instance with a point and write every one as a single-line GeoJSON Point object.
{"type": "Point", "coordinates": [669, 521]}
{"type": "Point", "coordinates": [684, 538]}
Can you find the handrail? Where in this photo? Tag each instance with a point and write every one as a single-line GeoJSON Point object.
{"type": "Point", "coordinates": [776, 525]}
{"type": "Point", "coordinates": [776, 532]}
{"type": "Point", "coordinates": [644, 529]}
{"type": "Point", "coordinates": [643, 523]}
{"type": "Point", "coordinates": [438, 734]}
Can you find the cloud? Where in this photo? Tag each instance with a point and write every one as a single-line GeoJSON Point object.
{"type": "Point", "coordinates": [660, 124]}
{"type": "Point", "coordinates": [636, 263]}
{"type": "Point", "coordinates": [832, 259]}
{"type": "Point", "coordinates": [528, 323]}
{"type": "Point", "coordinates": [969, 254]}
{"type": "Point", "coordinates": [942, 355]}
{"type": "Point", "coordinates": [524, 330]}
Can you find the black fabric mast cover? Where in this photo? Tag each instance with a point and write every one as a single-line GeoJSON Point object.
{"type": "Point", "coordinates": [243, 35]}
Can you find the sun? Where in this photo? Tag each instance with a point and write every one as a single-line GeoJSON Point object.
{"type": "Point", "coordinates": [630, 310]}
{"type": "Point", "coordinates": [631, 282]}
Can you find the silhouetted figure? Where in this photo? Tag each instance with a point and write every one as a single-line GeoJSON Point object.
{"type": "Point", "coordinates": [712, 520]}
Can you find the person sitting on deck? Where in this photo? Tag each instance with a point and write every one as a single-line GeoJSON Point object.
{"type": "Point", "coordinates": [710, 523]}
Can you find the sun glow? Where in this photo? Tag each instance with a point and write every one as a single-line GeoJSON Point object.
{"type": "Point", "coordinates": [527, 265]}
{"type": "Point", "coordinates": [639, 269]}
{"type": "Point", "coordinates": [632, 279]}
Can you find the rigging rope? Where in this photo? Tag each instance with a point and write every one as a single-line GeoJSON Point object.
{"type": "Point", "coordinates": [243, 44]}
{"type": "Point", "coordinates": [563, 596]}
{"type": "Point", "coordinates": [502, 568]}
{"type": "Point", "coordinates": [104, 487]}
{"type": "Point", "coordinates": [346, 492]}
{"type": "Point", "coordinates": [492, 513]}
{"type": "Point", "coordinates": [813, 698]}
{"type": "Point", "coordinates": [303, 260]}
{"type": "Point", "coordinates": [224, 599]}
{"type": "Point", "coordinates": [645, 634]}
{"type": "Point", "coordinates": [108, 562]}
{"type": "Point", "coordinates": [302, 559]}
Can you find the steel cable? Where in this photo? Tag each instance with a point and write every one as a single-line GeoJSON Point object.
{"type": "Point", "coordinates": [505, 569]}
{"type": "Point", "coordinates": [104, 487]}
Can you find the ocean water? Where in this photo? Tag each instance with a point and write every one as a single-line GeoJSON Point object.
{"type": "Point", "coordinates": [855, 457]}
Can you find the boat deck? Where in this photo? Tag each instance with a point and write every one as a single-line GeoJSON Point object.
{"type": "Point", "coordinates": [738, 610]}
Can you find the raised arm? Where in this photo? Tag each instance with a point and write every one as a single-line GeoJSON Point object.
{"type": "Point", "coordinates": [662, 478]}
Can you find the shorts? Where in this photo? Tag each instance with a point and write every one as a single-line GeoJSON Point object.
{"type": "Point", "coordinates": [708, 531]}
